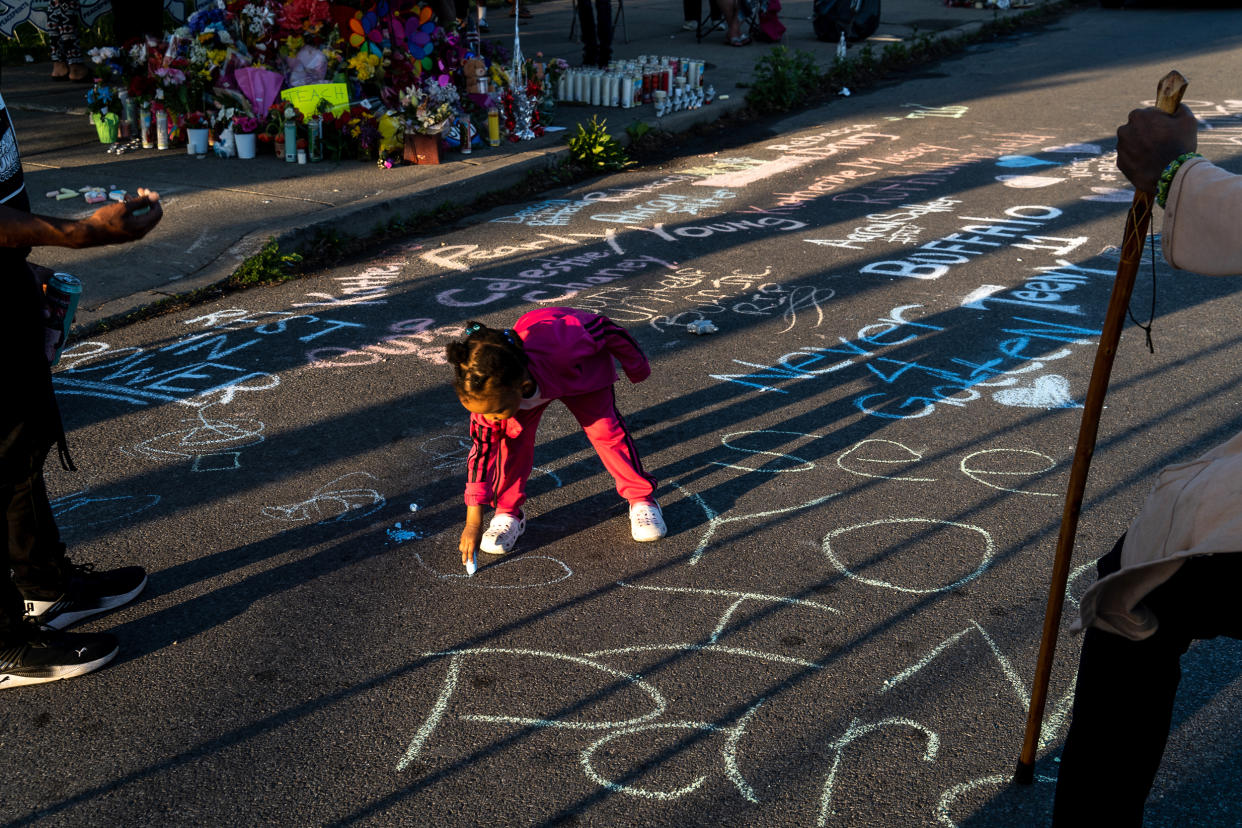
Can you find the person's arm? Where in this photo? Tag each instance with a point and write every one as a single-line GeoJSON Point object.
{"type": "Point", "coordinates": [471, 534]}
{"type": "Point", "coordinates": [113, 223]}
{"type": "Point", "coordinates": [618, 342]}
{"type": "Point", "coordinates": [481, 465]}
{"type": "Point", "coordinates": [1200, 231]}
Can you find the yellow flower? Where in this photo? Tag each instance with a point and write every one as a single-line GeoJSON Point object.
{"type": "Point", "coordinates": [391, 133]}
{"type": "Point", "coordinates": [364, 65]}
{"type": "Point", "coordinates": [294, 42]}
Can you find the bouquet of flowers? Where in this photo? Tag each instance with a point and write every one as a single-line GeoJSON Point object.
{"type": "Point", "coordinates": [106, 61]}
{"type": "Point", "coordinates": [245, 125]}
{"type": "Point", "coordinates": [99, 98]}
{"type": "Point", "coordinates": [428, 107]}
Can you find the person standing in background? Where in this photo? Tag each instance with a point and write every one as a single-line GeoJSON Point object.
{"type": "Point", "coordinates": [66, 40]}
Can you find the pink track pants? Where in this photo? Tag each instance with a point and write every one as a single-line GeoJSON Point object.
{"type": "Point", "coordinates": [597, 413]}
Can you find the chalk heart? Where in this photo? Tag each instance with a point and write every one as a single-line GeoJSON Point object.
{"type": "Point", "coordinates": [1028, 182]}
{"type": "Point", "coordinates": [1048, 391]}
{"type": "Point", "coordinates": [1019, 161]}
{"type": "Point", "coordinates": [1112, 195]}
{"type": "Point", "coordinates": [1076, 149]}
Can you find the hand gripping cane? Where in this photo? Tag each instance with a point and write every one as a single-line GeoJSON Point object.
{"type": "Point", "coordinates": [1168, 96]}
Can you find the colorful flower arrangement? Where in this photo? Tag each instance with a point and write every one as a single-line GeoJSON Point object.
{"type": "Point", "coordinates": [429, 106]}
{"type": "Point", "coordinates": [398, 69]}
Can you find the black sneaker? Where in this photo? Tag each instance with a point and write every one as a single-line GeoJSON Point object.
{"type": "Point", "coordinates": [39, 654]}
{"type": "Point", "coordinates": [88, 593]}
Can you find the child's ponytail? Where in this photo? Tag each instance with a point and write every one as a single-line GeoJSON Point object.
{"type": "Point", "coordinates": [487, 360]}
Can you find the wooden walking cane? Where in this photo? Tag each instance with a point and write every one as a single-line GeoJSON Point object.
{"type": "Point", "coordinates": [1168, 96]}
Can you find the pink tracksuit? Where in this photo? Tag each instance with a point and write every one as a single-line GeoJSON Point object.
{"type": "Point", "coordinates": [571, 359]}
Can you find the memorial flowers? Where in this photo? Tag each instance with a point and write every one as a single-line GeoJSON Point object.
{"type": "Point", "coordinates": [428, 107]}
{"type": "Point", "coordinates": [400, 72]}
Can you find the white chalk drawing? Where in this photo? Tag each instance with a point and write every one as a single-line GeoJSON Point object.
{"type": "Point", "coordinates": [347, 498]}
{"type": "Point", "coordinates": [645, 723]}
{"type": "Point", "coordinates": [369, 287]}
{"type": "Point", "coordinates": [658, 703]}
{"type": "Point", "coordinates": [212, 443]}
{"type": "Point", "coordinates": [447, 451]}
{"type": "Point", "coordinates": [978, 474]}
{"type": "Point", "coordinates": [912, 457]}
{"type": "Point", "coordinates": [1028, 182]}
{"type": "Point", "coordinates": [1076, 149]}
{"type": "Point", "coordinates": [487, 568]}
{"type": "Point", "coordinates": [733, 735]}
{"type": "Point", "coordinates": [944, 806]}
{"type": "Point", "coordinates": [1047, 391]}
{"type": "Point", "coordinates": [81, 509]}
{"type": "Point", "coordinates": [739, 597]}
{"type": "Point", "coordinates": [715, 521]}
{"type": "Point", "coordinates": [948, 111]}
{"type": "Point", "coordinates": [857, 730]}
{"type": "Point", "coordinates": [985, 556]}
{"type": "Point", "coordinates": [806, 465]}
{"type": "Point", "coordinates": [1110, 195]}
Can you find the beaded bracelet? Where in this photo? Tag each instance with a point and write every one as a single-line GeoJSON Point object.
{"type": "Point", "coordinates": [1170, 172]}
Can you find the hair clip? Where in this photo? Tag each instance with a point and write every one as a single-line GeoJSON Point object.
{"type": "Point", "coordinates": [509, 336]}
{"type": "Point", "coordinates": [473, 329]}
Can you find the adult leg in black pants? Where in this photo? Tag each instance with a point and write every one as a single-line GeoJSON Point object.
{"type": "Point", "coordinates": [596, 22]}
{"type": "Point", "coordinates": [31, 652]}
{"type": "Point", "coordinates": [1123, 702]}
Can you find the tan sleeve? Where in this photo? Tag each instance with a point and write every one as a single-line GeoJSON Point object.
{"type": "Point", "coordinates": [1202, 218]}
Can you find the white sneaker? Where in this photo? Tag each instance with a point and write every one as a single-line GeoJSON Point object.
{"type": "Point", "coordinates": [690, 26]}
{"type": "Point", "coordinates": [646, 522]}
{"type": "Point", "coordinates": [502, 533]}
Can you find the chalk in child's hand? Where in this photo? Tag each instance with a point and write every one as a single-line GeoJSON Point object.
{"type": "Point", "coordinates": [471, 567]}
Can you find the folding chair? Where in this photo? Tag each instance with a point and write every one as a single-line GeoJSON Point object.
{"type": "Point", "coordinates": [708, 24]}
{"type": "Point", "coordinates": [619, 15]}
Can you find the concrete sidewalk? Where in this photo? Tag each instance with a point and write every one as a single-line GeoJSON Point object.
{"type": "Point", "coordinates": [218, 213]}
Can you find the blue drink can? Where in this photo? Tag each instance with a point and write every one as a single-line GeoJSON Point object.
{"type": "Point", "coordinates": [62, 292]}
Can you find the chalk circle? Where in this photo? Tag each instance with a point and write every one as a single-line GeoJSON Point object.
{"type": "Point", "coordinates": [997, 780]}
{"type": "Point", "coordinates": [1028, 182]}
{"type": "Point", "coordinates": [633, 790]}
{"type": "Point", "coordinates": [488, 567]}
{"type": "Point", "coordinates": [984, 562]}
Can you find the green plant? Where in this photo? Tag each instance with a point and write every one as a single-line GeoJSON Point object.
{"type": "Point", "coordinates": [782, 80]}
{"type": "Point", "coordinates": [637, 130]}
{"type": "Point", "coordinates": [595, 148]}
{"type": "Point", "coordinates": [265, 267]}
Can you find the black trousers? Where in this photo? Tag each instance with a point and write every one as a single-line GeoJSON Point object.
{"type": "Point", "coordinates": [693, 10]}
{"type": "Point", "coordinates": [135, 18]}
{"type": "Point", "coordinates": [595, 18]}
{"type": "Point", "coordinates": [32, 549]}
{"type": "Point", "coordinates": [1123, 702]}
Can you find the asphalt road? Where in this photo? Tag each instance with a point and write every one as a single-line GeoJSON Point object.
{"type": "Point", "coordinates": [862, 471]}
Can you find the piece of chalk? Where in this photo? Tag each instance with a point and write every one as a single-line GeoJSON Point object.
{"type": "Point", "coordinates": [471, 567]}
{"type": "Point", "coordinates": [64, 195]}
{"type": "Point", "coordinates": [53, 193]}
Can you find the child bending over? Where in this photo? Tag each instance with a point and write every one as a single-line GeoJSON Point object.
{"type": "Point", "coordinates": [506, 379]}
